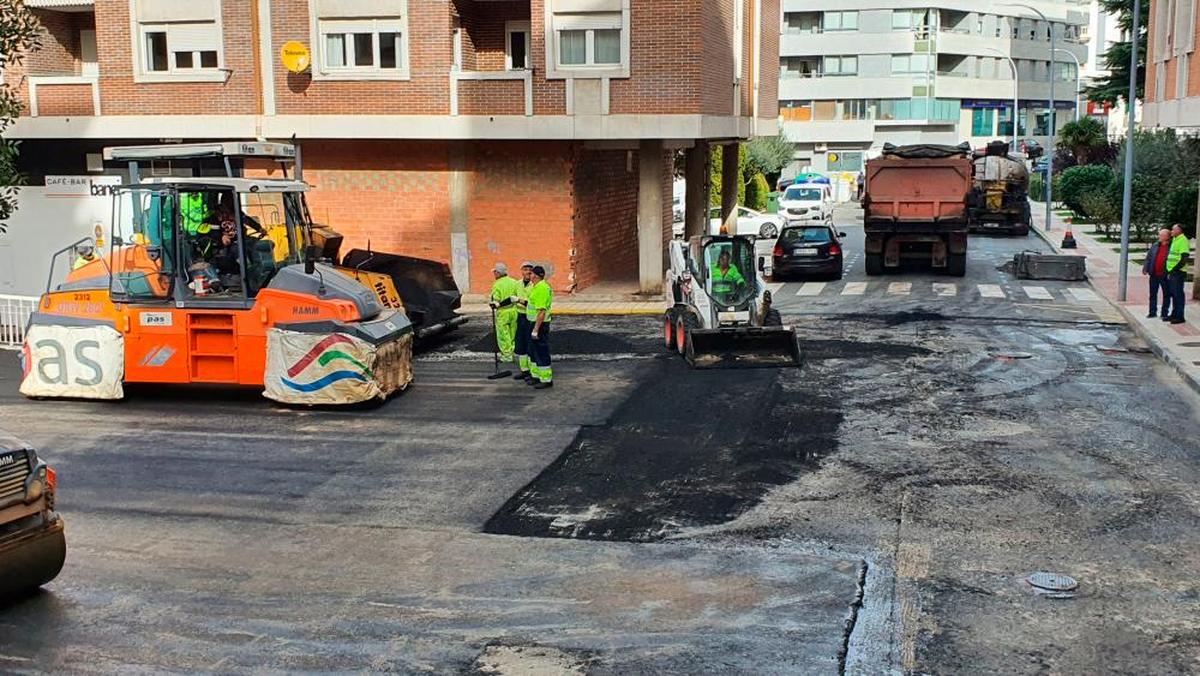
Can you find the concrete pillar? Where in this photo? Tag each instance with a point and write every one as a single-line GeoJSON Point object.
{"type": "Point", "coordinates": [460, 201]}
{"type": "Point", "coordinates": [698, 161]}
{"type": "Point", "coordinates": [650, 217]}
{"type": "Point", "coordinates": [730, 179]}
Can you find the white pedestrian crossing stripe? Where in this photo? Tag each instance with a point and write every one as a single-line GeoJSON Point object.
{"type": "Point", "coordinates": [991, 291]}
{"type": "Point", "coordinates": [1038, 293]}
{"type": "Point", "coordinates": [900, 288]}
{"type": "Point", "coordinates": [854, 289]}
{"type": "Point", "coordinates": [1084, 295]}
{"type": "Point", "coordinates": [945, 290]}
{"type": "Point", "coordinates": [811, 289]}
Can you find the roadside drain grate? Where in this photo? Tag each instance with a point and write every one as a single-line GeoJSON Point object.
{"type": "Point", "coordinates": [1012, 356]}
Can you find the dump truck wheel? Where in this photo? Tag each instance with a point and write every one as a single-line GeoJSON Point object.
{"type": "Point", "coordinates": [773, 318]}
{"type": "Point", "coordinates": [874, 264]}
{"type": "Point", "coordinates": [956, 265]}
{"type": "Point", "coordinates": [669, 330]}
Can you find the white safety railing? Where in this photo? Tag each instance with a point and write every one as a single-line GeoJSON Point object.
{"type": "Point", "coordinates": [14, 315]}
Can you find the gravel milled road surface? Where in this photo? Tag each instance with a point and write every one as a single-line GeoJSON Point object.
{"type": "Point", "coordinates": [877, 510]}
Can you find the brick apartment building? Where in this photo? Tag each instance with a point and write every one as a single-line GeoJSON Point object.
{"type": "Point", "coordinates": [1172, 78]}
{"type": "Point", "coordinates": [468, 131]}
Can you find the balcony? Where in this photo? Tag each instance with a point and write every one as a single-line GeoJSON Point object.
{"type": "Point", "coordinates": [497, 92]}
{"type": "Point", "coordinates": [64, 95]}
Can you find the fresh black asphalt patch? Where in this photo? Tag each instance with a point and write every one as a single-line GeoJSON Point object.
{"type": "Point", "coordinates": [688, 448]}
{"type": "Point", "coordinates": [569, 341]}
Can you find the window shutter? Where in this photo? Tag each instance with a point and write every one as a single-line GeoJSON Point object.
{"type": "Point", "coordinates": [583, 22]}
{"type": "Point", "coordinates": [352, 9]}
{"type": "Point", "coordinates": [165, 11]}
{"type": "Point", "coordinates": [193, 37]}
{"type": "Point", "coordinates": [1187, 36]}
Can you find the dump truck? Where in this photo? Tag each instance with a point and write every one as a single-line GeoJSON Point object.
{"type": "Point", "coordinates": [722, 315]}
{"type": "Point", "coordinates": [33, 544]}
{"type": "Point", "coordinates": [214, 281]}
{"type": "Point", "coordinates": [915, 207]}
{"type": "Point", "coordinates": [423, 289]}
{"type": "Point", "coordinates": [999, 199]}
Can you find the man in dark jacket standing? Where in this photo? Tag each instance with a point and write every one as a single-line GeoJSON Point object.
{"type": "Point", "coordinates": [1155, 268]}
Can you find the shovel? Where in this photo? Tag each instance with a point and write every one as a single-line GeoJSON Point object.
{"type": "Point", "coordinates": [498, 374]}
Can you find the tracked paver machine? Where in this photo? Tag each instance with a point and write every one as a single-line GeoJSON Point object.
{"type": "Point", "coordinates": [722, 315]}
{"type": "Point", "coordinates": [225, 281]}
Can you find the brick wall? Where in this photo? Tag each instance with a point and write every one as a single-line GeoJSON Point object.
{"type": "Point", "coordinates": [65, 100]}
{"type": "Point", "coordinates": [668, 191]}
{"type": "Point", "coordinates": [768, 77]}
{"type": "Point", "coordinates": [665, 61]}
{"type": "Point", "coordinates": [484, 26]}
{"type": "Point", "coordinates": [521, 209]}
{"type": "Point", "coordinates": [59, 53]}
{"type": "Point", "coordinates": [606, 205]}
{"type": "Point", "coordinates": [491, 97]}
{"type": "Point", "coordinates": [716, 43]}
{"type": "Point", "coordinates": [121, 96]}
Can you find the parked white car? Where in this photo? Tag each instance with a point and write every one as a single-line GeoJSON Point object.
{"type": "Point", "coordinates": [749, 222]}
{"type": "Point", "coordinates": [807, 203]}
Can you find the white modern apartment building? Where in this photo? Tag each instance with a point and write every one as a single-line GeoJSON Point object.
{"type": "Point", "coordinates": [855, 74]}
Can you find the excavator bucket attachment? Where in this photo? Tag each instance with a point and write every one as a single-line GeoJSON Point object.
{"type": "Point", "coordinates": [426, 288]}
{"type": "Point", "coordinates": [743, 347]}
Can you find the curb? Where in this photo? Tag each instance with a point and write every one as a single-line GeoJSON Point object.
{"type": "Point", "coordinates": [1156, 345]}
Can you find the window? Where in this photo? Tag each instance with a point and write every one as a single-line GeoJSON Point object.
{"type": "Point", "coordinates": [982, 121]}
{"type": "Point", "coordinates": [906, 64]}
{"type": "Point", "coordinates": [516, 45]}
{"type": "Point", "coordinates": [176, 40]}
{"type": "Point", "coordinates": [910, 19]}
{"type": "Point", "coordinates": [180, 47]}
{"type": "Point", "coordinates": [796, 111]}
{"type": "Point", "coordinates": [840, 21]}
{"type": "Point", "coordinates": [841, 65]}
{"type": "Point", "coordinates": [592, 47]}
{"type": "Point", "coordinates": [360, 39]}
{"type": "Point", "coordinates": [588, 36]}
{"type": "Point", "coordinates": [364, 46]}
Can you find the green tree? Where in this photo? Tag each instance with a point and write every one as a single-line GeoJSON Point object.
{"type": "Point", "coordinates": [757, 192]}
{"type": "Point", "coordinates": [1076, 182]}
{"type": "Point", "coordinates": [1084, 138]}
{"type": "Point", "coordinates": [1115, 86]}
{"type": "Point", "coordinates": [768, 155]}
{"type": "Point", "coordinates": [718, 153]}
{"type": "Point", "coordinates": [19, 31]}
{"type": "Point", "coordinates": [1101, 210]}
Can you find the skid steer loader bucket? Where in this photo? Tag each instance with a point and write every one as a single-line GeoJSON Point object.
{"type": "Point", "coordinates": [743, 347]}
{"type": "Point", "coordinates": [426, 287]}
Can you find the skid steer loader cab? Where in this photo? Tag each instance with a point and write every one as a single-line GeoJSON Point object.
{"type": "Point", "coordinates": [722, 317]}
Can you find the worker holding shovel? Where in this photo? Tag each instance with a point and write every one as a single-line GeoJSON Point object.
{"type": "Point", "coordinates": [503, 303]}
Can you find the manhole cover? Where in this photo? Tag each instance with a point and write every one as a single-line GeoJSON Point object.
{"type": "Point", "coordinates": [1053, 582]}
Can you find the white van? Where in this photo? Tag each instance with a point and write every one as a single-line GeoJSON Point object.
{"type": "Point", "coordinates": [803, 203]}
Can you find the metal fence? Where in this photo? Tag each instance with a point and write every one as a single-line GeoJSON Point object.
{"type": "Point", "coordinates": [14, 315]}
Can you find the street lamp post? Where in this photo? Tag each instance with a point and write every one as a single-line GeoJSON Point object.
{"type": "Point", "coordinates": [1131, 102]}
{"type": "Point", "coordinates": [1078, 80]}
{"type": "Point", "coordinates": [1049, 160]}
{"type": "Point", "coordinates": [1016, 94]}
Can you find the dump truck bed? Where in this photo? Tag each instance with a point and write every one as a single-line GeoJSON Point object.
{"type": "Point", "coordinates": [921, 191]}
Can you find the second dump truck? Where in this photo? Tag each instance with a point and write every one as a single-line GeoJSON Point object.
{"type": "Point", "coordinates": [915, 207]}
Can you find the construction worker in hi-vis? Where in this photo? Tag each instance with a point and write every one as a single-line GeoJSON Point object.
{"type": "Point", "coordinates": [523, 326]}
{"type": "Point", "coordinates": [504, 302]}
{"type": "Point", "coordinates": [541, 297]}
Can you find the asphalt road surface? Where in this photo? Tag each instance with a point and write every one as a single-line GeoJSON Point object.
{"type": "Point", "coordinates": [877, 510]}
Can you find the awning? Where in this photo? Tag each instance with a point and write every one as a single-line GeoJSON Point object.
{"type": "Point", "coordinates": [76, 5]}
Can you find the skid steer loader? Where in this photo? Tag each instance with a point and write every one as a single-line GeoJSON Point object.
{"type": "Point", "coordinates": [722, 315]}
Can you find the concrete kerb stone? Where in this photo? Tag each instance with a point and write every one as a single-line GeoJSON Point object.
{"type": "Point", "coordinates": [1161, 349]}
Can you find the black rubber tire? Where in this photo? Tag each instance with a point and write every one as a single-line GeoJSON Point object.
{"type": "Point", "coordinates": [773, 318]}
{"type": "Point", "coordinates": [956, 265]}
{"type": "Point", "coordinates": [874, 264]}
{"type": "Point", "coordinates": [669, 330]}
{"type": "Point", "coordinates": [681, 335]}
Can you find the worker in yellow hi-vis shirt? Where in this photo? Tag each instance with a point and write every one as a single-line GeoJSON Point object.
{"type": "Point", "coordinates": [505, 291]}
{"type": "Point", "coordinates": [541, 297]}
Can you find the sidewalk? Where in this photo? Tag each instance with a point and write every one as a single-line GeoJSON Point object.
{"type": "Point", "coordinates": [1176, 344]}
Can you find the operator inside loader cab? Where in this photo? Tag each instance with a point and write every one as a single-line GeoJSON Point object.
{"type": "Point", "coordinates": [725, 276]}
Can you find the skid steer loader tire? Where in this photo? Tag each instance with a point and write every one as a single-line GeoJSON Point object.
{"type": "Point", "coordinates": [669, 330]}
{"type": "Point", "coordinates": [683, 333]}
{"type": "Point", "coordinates": [773, 318]}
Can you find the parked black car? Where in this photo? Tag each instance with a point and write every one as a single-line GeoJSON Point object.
{"type": "Point", "coordinates": [808, 250]}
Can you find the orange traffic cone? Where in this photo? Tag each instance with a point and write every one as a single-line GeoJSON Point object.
{"type": "Point", "coordinates": [1068, 240]}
